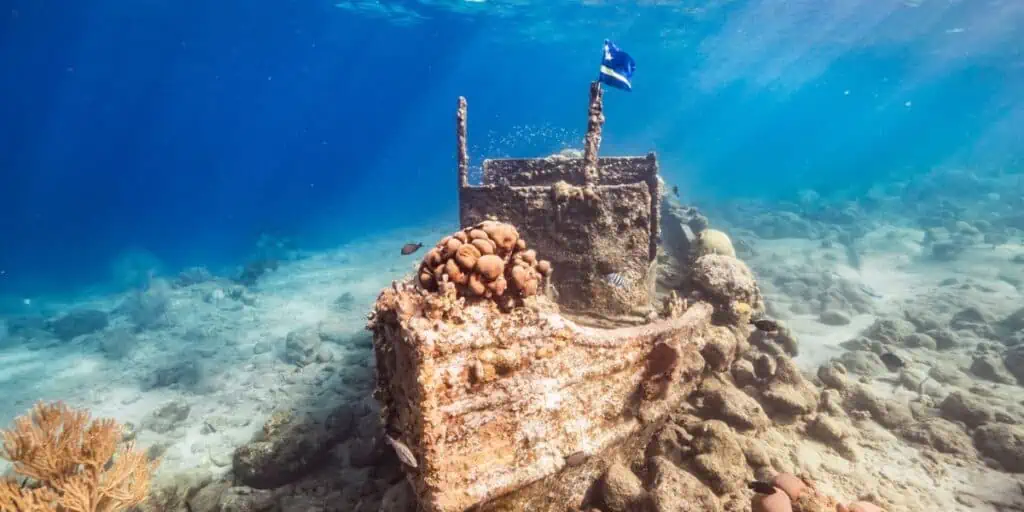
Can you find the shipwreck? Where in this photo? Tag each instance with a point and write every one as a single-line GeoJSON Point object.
{"type": "Point", "coordinates": [533, 346]}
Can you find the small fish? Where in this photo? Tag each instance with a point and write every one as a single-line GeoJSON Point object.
{"type": "Point", "coordinates": [404, 453]}
{"type": "Point", "coordinates": [615, 279]}
{"type": "Point", "coordinates": [766, 325]}
{"type": "Point", "coordinates": [864, 288]}
{"type": "Point", "coordinates": [408, 249]}
{"type": "Point", "coordinates": [762, 487]}
{"type": "Point", "coordinates": [675, 190]}
{"type": "Point", "coordinates": [892, 361]}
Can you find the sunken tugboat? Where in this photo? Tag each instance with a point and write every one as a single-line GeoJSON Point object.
{"type": "Point", "coordinates": [531, 346]}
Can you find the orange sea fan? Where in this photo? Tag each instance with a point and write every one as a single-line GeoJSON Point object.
{"type": "Point", "coordinates": [66, 463]}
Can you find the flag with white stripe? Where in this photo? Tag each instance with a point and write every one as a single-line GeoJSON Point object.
{"type": "Point", "coordinates": [617, 67]}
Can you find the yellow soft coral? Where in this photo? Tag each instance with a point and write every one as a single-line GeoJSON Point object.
{"type": "Point", "coordinates": [68, 463]}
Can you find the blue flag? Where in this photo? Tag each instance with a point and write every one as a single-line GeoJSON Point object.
{"type": "Point", "coordinates": [617, 67]}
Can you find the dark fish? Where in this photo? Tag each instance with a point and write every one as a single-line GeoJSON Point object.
{"type": "Point", "coordinates": [408, 249]}
{"type": "Point", "coordinates": [762, 487]}
{"type": "Point", "coordinates": [675, 190]}
{"type": "Point", "coordinates": [892, 361]}
{"type": "Point", "coordinates": [766, 325]}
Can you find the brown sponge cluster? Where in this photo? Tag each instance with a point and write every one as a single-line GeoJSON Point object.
{"type": "Point", "coordinates": [487, 260]}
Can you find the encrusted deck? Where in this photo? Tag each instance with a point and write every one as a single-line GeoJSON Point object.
{"type": "Point", "coordinates": [490, 402]}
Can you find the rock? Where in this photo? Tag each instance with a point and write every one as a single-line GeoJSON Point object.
{"type": "Point", "coordinates": [1003, 443]}
{"type": "Point", "coordinates": [180, 490]}
{"type": "Point", "coordinates": [726, 279]}
{"type": "Point", "coordinates": [889, 414]}
{"type": "Point", "coordinates": [621, 489]}
{"type": "Point", "coordinates": [183, 374]}
{"type": "Point", "coordinates": [334, 330]}
{"type": "Point", "coordinates": [966, 409]}
{"type": "Point", "coordinates": [289, 448]}
{"type": "Point", "coordinates": [827, 430]}
{"type": "Point", "coordinates": [324, 354]}
{"type": "Point", "coordinates": [1014, 322]}
{"type": "Point", "coordinates": [743, 373]}
{"type": "Point", "coordinates": [764, 366]}
{"type": "Point", "coordinates": [246, 499]}
{"type": "Point", "coordinates": [970, 316]}
{"type": "Point", "coordinates": [949, 376]}
{"type": "Point", "coordinates": [890, 331]}
{"type": "Point", "coordinates": [117, 343]}
{"type": "Point", "coordinates": [147, 309]}
{"type": "Point", "coordinates": [833, 375]}
{"type": "Point", "coordinates": [942, 435]}
{"type": "Point", "coordinates": [789, 394]}
{"type": "Point", "coordinates": [720, 461]}
{"type": "Point", "coordinates": [28, 327]}
{"type": "Point", "coordinates": [923, 319]}
{"type": "Point", "coordinates": [990, 367]}
{"type": "Point", "coordinates": [974, 320]}
{"type": "Point", "coordinates": [168, 417]}
{"type": "Point", "coordinates": [262, 347]}
{"type": "Point", "coordinates": [945, 339]}
{"type": "Point", "coordinates": [831, 401]}
{"type": "Point", "coordinates": [301, 347]}
{"type": "Point", "coordinates": [920, 340]}
{"type": "Point", "coordinates": [863, 362]}
{"type": "Point", "coordinates": [733, 406]}
{"type": "Point", "coordinates": [680, 227]}
{"type": "Point", "coordinates": [755, 452]}
{"type": "Point", "coordinates": [399, 498]}
{"type": "Point", "coordinates": [345, 302]}
{"type": "Point", "coordinates": [192, 276]}
{"type": "Point", "coordinates": [720, 350]}
{"type": "Point", "coordinates": [832, 317]}
{"type": "Point", "coordinates": [671, 442]}
{"type": "Point", "coordinates": [79, 322]}
{"type": "Point", "coordinates": [1013, 359]}
{"type": "Point", "coordinates": [208, 498]}
{"type": "Point", "coordinates": [675, 490]}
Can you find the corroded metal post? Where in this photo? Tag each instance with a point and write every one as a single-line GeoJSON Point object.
{"type": "Point", "coordinates": [460, 134]}
{"type": "Point", "coordinates": [592, 142]}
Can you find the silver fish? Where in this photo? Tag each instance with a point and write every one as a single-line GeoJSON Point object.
{"type": "Point", "coordinates": [615, 279]}
{"type": "Point", "coordinates": [404, 453]}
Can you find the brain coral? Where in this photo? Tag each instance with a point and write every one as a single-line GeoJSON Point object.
{"type": "Point", "coordinates": [485, 260]}
{"type": "Point", "coordinates": [713, 241]}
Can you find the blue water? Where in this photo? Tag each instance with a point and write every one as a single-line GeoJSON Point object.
{"type": "Point", "coordinates": [186, 129]}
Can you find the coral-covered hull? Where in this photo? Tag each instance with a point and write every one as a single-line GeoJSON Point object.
{"type": "Point", "coordinates": [491, 402]}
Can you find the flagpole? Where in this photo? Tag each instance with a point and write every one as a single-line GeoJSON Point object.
{"type": "Point", "coordinates": [460, 135]}
{"type": "Point", "coordinates": [592, 142]}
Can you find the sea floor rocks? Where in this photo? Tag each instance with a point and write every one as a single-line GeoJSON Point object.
{"type": "Point", "coordinates": [1003, 443]}
{"type": "Point", "coordinates": [621, 489]}
{"type": "Point", "coordinates": [288, 447]}
{"type": "Point", "coordinates": [676, 490]}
